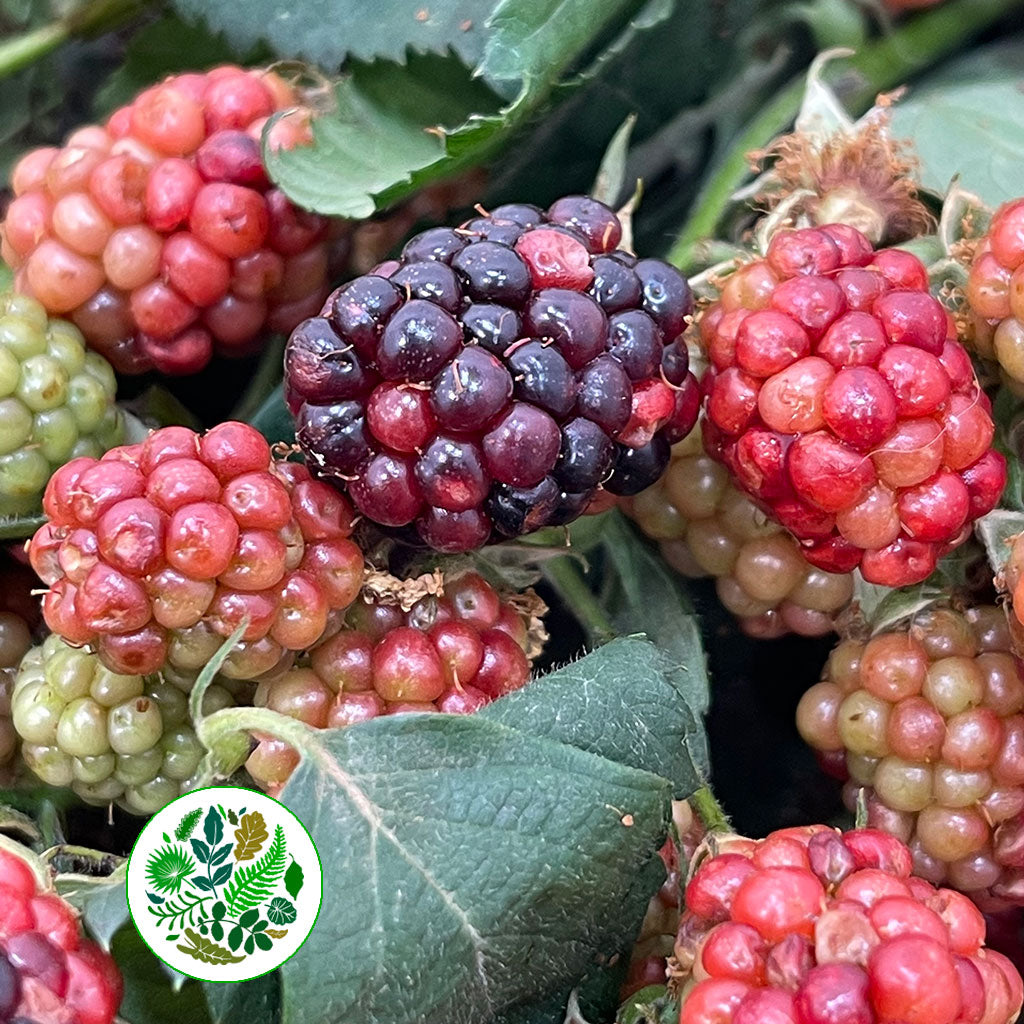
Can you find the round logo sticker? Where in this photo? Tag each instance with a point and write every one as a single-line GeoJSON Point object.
{"type": "Point", "coordinates": [224, 884]}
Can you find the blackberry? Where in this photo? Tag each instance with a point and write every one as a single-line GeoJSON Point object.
{"type": "Point", "coordinates": [56, 402]}
{"type": "Point", "coordinates": [841, 401]}
{"type": "Point", "coordinates": [112, 738]}
{"type": "Point", "coordinates": [928, 721]}
{"type": "Point", "coordinates": [446, 391]}
{"type": "Point", "coordinates": [157, 552]}
{"type": "Point", "coordinates": [819, 926]}
{"type": "Point", "coordinates": [159, 233]}
{"type": "Point", "coordinates": [453, 650]}
{"type": "Point", "coordinates": [706, 527]}
{"type": "Point", "coordinates": [48, 970]}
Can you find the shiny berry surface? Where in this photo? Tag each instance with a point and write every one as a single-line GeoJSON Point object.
{"type": "Point", "coordinates": [502, 374]}
{"type": "Point", "coordinates": [854, 374]}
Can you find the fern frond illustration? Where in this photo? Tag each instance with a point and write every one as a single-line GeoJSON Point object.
{"type": "Point", "coordinates": [175, 914]}
{"type": "Point", "coordinates": [188, 825]}
{"type": "Point", "coordinates": [207, 951]}
{"type": "Point", "coordinates": [168, 868]}
{"type": "Point", "coordinates": [251, 835]}
{"type": "Point", "coordinates": [254, 884]}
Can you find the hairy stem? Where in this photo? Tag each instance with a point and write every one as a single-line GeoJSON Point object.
{"type": "Point", "coordinates": [564, 575]}
{"type": "Point", "coordinates": [709, 810]}
{"type": "Point", "coordinates": [877, 66]}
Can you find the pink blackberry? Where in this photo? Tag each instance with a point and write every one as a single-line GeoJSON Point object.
{"type": "Point", "coordinates": [48, 971]}
{"type": "Point", "coordinates": [494, 378]}
{"type": "Point", "coordinates": [160, 235]}
{"type": "Point", "coordinates": [155, 553]}
{"type": "Point", "coordinates": [454, 651]}
{"type": "Point", "coordinates": [841, 401]}
{"type": "Point", "coordinates": [815, 926]}
{"type": "Point", "coordinates": [928, 721]}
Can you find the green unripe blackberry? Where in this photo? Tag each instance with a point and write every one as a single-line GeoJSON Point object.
{"type": "Point", "coordinates": [56, 402]}
{"type": "Point", "coordinates": [111, 738]}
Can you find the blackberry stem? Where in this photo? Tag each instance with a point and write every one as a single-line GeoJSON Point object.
{"type": "Point", "coordinates": [564, 575]}
{"type": "Point", "coordinates": [36, 43]}
{"type": "Point", "coordinates": [878, 65]}
{"type": "Point", "coordinates": [709, 810]}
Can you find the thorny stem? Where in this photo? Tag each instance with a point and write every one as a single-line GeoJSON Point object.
{"type": "Point", "coordinates": [878, 65]}
{"type": "Point", "coordinates": [564, 575]}
{"type": "Point", "coordinates": [709, 810]}
{"type": "Point", "coordinates": [94, 16]}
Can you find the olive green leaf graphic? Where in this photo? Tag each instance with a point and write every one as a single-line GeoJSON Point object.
{"type": "Point", "coordinates": [188, 824]}
{"type": "Point", "coordinates": [253, 884]}
{"type": "Point", "coordinates": [207, 951]}
{"type": "Point", "coordinates": [281, 911]}
{"type": "Point", "coordinates": [167, 868]}
{"type": "Point", "coordinates": [293, 879]}
{"type": "Point", "coordinates": [277, 933]}
{"type": "Point", "coordinates": [251, 835]}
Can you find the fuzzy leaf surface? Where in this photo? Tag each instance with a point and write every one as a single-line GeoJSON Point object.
{"type": "Point", "coordinates": [402, 807]}
{"type": "Point", "coordinates": [246, 1002]}
{"type": "Point", "coordinates": [966, 120]}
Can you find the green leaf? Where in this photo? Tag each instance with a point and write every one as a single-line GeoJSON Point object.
{"type": "Point", "coordinates": [248, 1002]}
{"type": "Point", "coordinates": [213, 827]}
{"type": "Point", "coordinates": [253, 884]}
{"type": "Point", "coordinates": [325, 31]}
{"type": "Point", "coordinates": [568, 828]}
{"type": "Point", "coordinates": [997, 531]}
{"type": "Point", "coordinates": [20, 527]}
{"type": "Point", "coordinates": [263, 940]}
{"type": "Point", "coordinates": [967, 120]}
{"type": "Point", "coordinates": [611, 175]}
{"type": "Point", "coordinates": [293, 879]}
{"type": "Point", "coordinates": [281, 911]}
{"type": "Point", "coordinates": [382, 135]}
{"type": "Point", "coordinates": [249, 918]}
{"type": "Point", "coordinates": [273, 420]}
{"type": "Point", "coordinates": [188, 824]}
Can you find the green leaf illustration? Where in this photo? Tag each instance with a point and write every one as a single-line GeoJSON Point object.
{"type": "Point", "coordinates": [207, 951]}
{"type": "Point", "coordinates": [232, 817]}
{"type": "Point", "coordinates": [253, 884]}
{"type": "Point", "coordinates": [217, 931]}
{"type": "Point", "coordinates": [213, 827]}
{"type": "Point", "coordinates": [294, 879]}
{"type": "Point", "coordinates": [235, 938]}
{"type": "Point", "coordinates": [167, 868]}
{"type": "Point", "coordinates": [281, 911]}
{"type": "Point", "coordinates": [249, 918]}
{"type": "Point", "coordinates": [251, 834]}
{"type": "Point", "coordinates": [187, 825]}
{"type": "Point", "coordinates": [263, 941]}
{"type": "Point", "coordinates": [277, 933]}
{"type": "Point", "coordinates": [250, 945]}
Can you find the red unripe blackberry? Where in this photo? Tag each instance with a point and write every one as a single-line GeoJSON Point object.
{"type": "Point", "coordinates": [48, 969]}
{"type": "Point", "coordinates": [706, 527]}
{"type": "Point", "coordinates": [842, 403]}
{"type": "Point", "coordinates": [497, 376]}
{"type": "Point", "coordinates": [814, 926]}
{"type": "Point", "coordinates": [930, 722]}
{"type": "Point", "coordinates": [160, 235]}
{"type": "Point", "coordinates": [454, 652]}
{"type": "Point", "coordinates": [157, 552]}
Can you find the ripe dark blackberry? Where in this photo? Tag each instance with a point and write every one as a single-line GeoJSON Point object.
{"type": "Point", "coordinates": [155, 553]}
{"type": "Point", "coordinates": [842, 402]}
{"type": "Point", "coordinates": [454, 650]}
{"type": "Point", "coordinates": [815, 926]}
{"type": "Point", "coordinates": [109, 737]}
{"type": "Point", "coordinates": [928, 720]}
{"type": "Point", "coordinates": [496, 377]}
{"type": "Point", "coordinates": [49, 973]}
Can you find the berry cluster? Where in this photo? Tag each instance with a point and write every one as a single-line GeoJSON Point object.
{"type": "Point", "coordinates": [56, 402]}
{"type": "Point", "coordinates": [452, 653]}
{"type": "Point", "coordinates": [496, 376]}
{"type": "Point", "coordinates": [160, 235]}
{"type": "Point", "coordinates": [110, 737]}
{"type": "Point", "coordinates": [48, 971]}
{"type": "Point", "coordinates": [706, 527]}
{"type": "Point", "coordinates": [995, 296]}
{"type": "Point", "coordinates": [814, 926]}
{"type": "Point", "coordinates": [841, 401]}
{"type": "Point", "coordinates": [158, 551]}
{"type": "Point", "coordinates": [929, 721]}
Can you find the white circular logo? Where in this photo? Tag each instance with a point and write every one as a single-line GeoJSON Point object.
{"type": "Point", "coordinates": [224, 884]}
